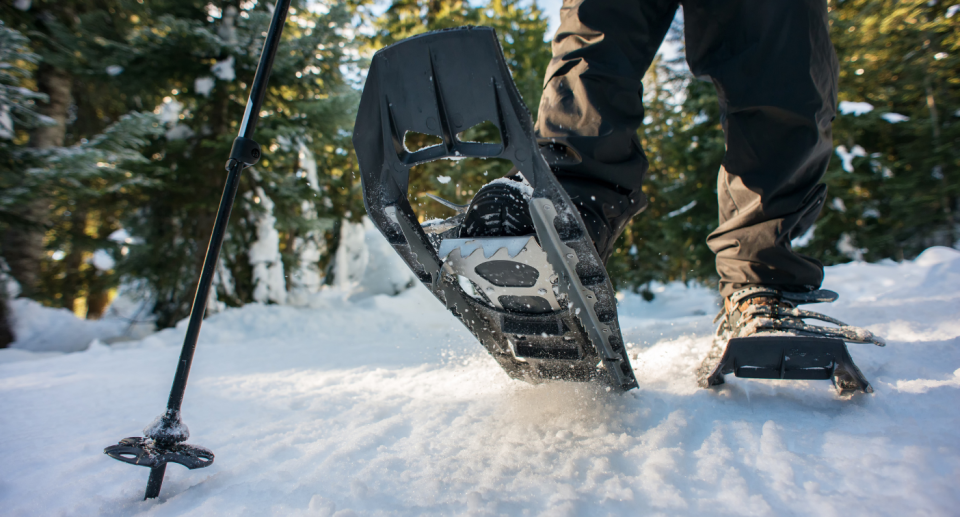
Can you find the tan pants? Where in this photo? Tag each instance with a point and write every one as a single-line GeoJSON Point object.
{"type": "Point", "coordinates": [775, 72]}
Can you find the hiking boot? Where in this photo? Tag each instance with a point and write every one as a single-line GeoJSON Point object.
{"type": "Point", "coordinates": [500, 208]}
{"type": "Point", "coordinates": [762, 310]}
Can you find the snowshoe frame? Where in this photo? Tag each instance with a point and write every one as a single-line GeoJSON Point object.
{"type": "Point", "coordinates": [785, 357]}
{"type": "Point", "coordinates": [442, 83]}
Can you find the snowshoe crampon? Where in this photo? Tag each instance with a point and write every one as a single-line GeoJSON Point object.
{"type": "Point", "coordinates": [541, 304]}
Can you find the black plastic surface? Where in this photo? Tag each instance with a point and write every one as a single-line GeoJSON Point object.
{"type": "Point", "coordinates": [442, 83]}
{"type": "Point", "coordinates": [790, 357]}
{"type": "Point", "coordinates": [147, 453]}
{"type": "Point", "coordinates": [245, 151]}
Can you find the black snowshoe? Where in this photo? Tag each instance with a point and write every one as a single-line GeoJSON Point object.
{"type": "Point", "coordinates": [517, 267]}
{"type": "Point", "coordinates": [763, 335]}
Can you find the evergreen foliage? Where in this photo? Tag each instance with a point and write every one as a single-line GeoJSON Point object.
{"type": "Point", "coordinates": [189, 62]}
{"type": "Point", "coordinates": [683, 140]}
{"type": "Point", "coordinates": [193, 62]}
{"type": "Point", "coordinates": [898, 192]}
{"type": "Point", "coordinates": [16, 113]}
{"type": "Point", "coordinates": [902, 195]}
{"type": "Point", "coordinates": [158, 88]}
{"type": "Point", "coordinates": [70, 179]}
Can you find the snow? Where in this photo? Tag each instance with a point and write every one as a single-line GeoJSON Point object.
{"type": "Point", "coordinates": [894, 118]}
{"type": "Point", "coordinates": [804, 239]}
{"type": "Point", "coordinates": [204, 85]}
{"type": "Point", "coordinates": [114, 70]}
{"type": "Point", "coordinates": [365, 264]}
{"type": "Point", "coordinates": [838, 205]}
{"type": "Point", "coordinates": [169, 111]}
{"type": "Point", "coordinates": [43, 329]}
{"type": "Point", "coordinates": [846, 157]}
{"type": "Point", "coordinates": [228, 30]}
{"type": "Point", "coordinates": [307, 278]}
{"type": "Point", "coordinates": [6, 123]}
{"type": "Point", "coordinates": [848, 249]}
{"type": "Point", "coordinates": [855, 108]}
{"type": "Point", "coordinates": [102, 260]}
{"type": "Point", "coordinates": [224, 70]}
{"type": "Point", "coordinates": [167, 426]}
{"type": "Point", "coordinates": [683, 209]}
{"type": "Point", "coordinates": [120, 235]}
{"type": "Point", "coordinates": [523, 186]}
{"type": "Point", "coordinates": [179, 132]}
{"type": "Point", "coordinates": [387, 406]}
{"type": "Point", "coordinates": [270, 284]}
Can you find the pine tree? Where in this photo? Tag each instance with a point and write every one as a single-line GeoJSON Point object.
{"type": "Point", "coordinates": [684, 144]}
{"type": "Point", "coordinates": [72, 207]}
{"type": "Point", "coordinates": [17, 113]}
{"type": "Point", "coordinates": [894, 184]}
{"type": "Point", "coordinates": [193, 62]}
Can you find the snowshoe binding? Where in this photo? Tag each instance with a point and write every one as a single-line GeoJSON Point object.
{"type": "Point", "coordinates": [763, 335]}
{"type": "Point", "coordinates": [516, 265]}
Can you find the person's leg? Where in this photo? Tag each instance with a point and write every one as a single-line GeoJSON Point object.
{"type": "Point", "coordinates": [776, 73]}
{"type": "Point", "coordinates": [592, 104]}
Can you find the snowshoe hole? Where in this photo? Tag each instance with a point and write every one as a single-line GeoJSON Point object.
{"type": "Point", "coordinates": [453, 180]}
{"type": "Point", "coordinates": [414, 141]}
{"type": "Point", "coordinates": [483, 133]}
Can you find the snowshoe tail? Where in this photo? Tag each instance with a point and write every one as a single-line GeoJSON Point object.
{"type": "Point", "coordinates": [784, 357]}
{"type": "Point", "coordinates": [543, 306]}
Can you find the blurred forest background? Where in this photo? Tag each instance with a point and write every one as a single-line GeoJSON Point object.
{"type": "Point", "coordinates": [116, 117]}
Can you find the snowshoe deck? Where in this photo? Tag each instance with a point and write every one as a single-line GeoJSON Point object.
{"type": "Point", "coordinates": [785, 357]}
{"type": "Point", "coordinates": [542, 305]}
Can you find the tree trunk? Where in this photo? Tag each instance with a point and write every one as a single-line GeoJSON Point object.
{"type": "Point", "coordinates": [6, 326]}
{"type": "Point", "coordinates": [23, 244]}
{"type": "Point", "coordinates": [73, 282]}
{"type": "Point", "coordinates": [97, 302]}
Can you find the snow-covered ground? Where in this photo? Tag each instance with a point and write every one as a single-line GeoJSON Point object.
{"type": "Point", "coordinates": [386, 406]}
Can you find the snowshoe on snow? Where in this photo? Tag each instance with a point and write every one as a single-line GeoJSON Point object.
{"type": "Point", "coordinates": [516, 266]}
{"type": "Point", "coordinates": [763, 335]}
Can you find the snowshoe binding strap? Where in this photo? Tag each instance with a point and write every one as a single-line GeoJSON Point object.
{"type": "Point", "coordinates": [775, 310]}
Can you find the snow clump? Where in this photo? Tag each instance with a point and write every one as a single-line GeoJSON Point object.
{"type": "Point", "coordinates": [846, 157]}
{"type": "Point", "coordinates": [855, 108]}
{"type": "Point", "coordinates": [894, 118]}
{"type": "Point", "coordinates": [203, 85]}
{"type": "Point", "coordinates": [224, 70]}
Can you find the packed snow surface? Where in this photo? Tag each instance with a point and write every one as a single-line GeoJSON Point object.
{"type": "Point", "coordinates": [387, 406]}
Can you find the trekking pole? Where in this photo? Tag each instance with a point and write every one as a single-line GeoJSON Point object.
{"type": "Point", "coordinates": [163, 438]}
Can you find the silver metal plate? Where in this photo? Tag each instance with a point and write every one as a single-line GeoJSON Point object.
{"type": "Point", "coordinates": [462, 257]}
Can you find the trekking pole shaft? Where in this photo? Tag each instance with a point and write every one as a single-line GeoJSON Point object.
{"type": "Point", "coordinates": [155, 482]}
{"type": "Point", "coordinates": [247, 127]}
{"type": "Point", "coordinates": [203, 286]}
{"type": "Point", "coordinates": [259, 88]}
